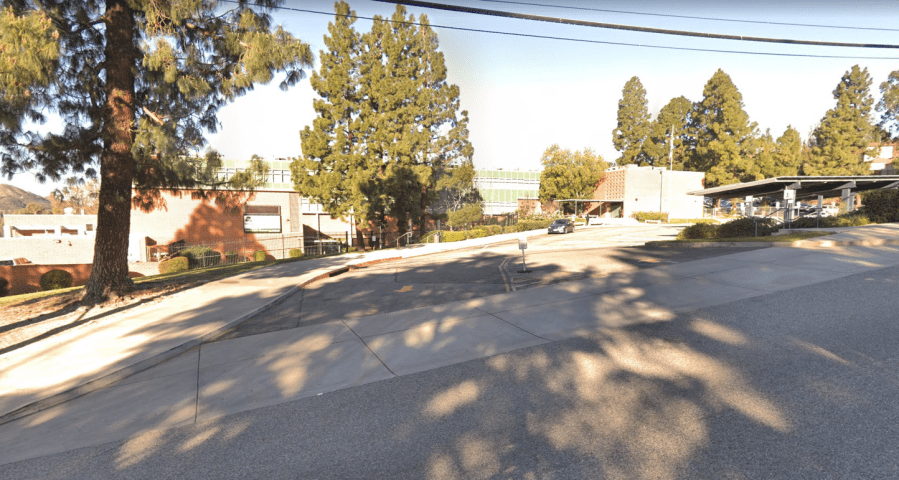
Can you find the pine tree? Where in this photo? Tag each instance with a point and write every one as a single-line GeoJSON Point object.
{"type": "Point", "coordinates": [568, 174]}
{"type": "Point", "coordinates": [724, 139]}
{"type": "Point", "coordinates": [403, 117]}
{"type": "Point", "coordinates": [888, 106]}
{"type": "Point", "coordinates": [633, 124]}
{"type": "Point", "coordinates": [137, 83]}
{"type": "Point", "coordinates": [332, 170]}
{"type": "Point", "coordinates": [844, 133]}
{"type": "Point", "coordinates": [675, 114]}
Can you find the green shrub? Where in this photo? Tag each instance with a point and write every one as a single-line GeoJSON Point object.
{"type": "Point", "coordinates": [644, 216]}
{"type": "Point", "coordinates": [296, 253]}
{"type": "Point", "coordinates": [201, 257]}
{"type": "Point", "coordinates": [174, 264]}
{"type": "Point", "coordinates": [259, 256]}
{"type": "Point", "coordinates": [698, 231]}
{"type": "Point", "coordinates": [232, 257]}
{"type": "Point", "coordinates": [746, 227]}
{"type": "Point", "coordinates": [4, 287]}
{"type": "Point", "coordinates": [56, 279]}
{"type": "Point", "coordinates": [881, 206]}
{"type": "Point", "coordinates": [525, 225]}
{"type": "Point", "coordinates": [452, 236]}
{"type": "Point", "coordinates": [844, 220]}
{"type": "Point", "coordinates": [491, 229]}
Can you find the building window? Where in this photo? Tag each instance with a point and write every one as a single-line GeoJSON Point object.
{"type": "Point", "coordinates": [262, 219]}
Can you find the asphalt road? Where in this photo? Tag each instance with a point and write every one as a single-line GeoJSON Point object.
{"type": "Point", "coordinates": [476, 272]}
{"type": "Point", "coordinates": [798, 384]}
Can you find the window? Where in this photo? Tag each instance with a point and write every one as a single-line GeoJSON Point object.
{"type": "Point", "coordinates": [262, 219]}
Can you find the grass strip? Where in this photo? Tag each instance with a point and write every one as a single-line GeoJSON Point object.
{"type": "Point", "coordinates": [791, 237]}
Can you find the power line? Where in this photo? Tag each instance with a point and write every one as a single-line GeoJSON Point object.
{"type": "Point", "coordinates": [714, 19]}
{"type": "Point", "coordinates": [600, 42]}
{"type": "Point", "coordinates": [614, 26]}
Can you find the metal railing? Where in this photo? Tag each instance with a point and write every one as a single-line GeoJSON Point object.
{"type": "Point", "coordinates": [225, 252]}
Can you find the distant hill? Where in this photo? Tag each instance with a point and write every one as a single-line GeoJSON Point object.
{"type": "Point", "coordinates": [14, 198]}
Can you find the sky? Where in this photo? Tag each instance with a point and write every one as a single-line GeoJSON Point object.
{"type": "Point", "coordinates": [524, 94]}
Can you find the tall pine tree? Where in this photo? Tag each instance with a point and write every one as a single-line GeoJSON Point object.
{"type": "Point", "coordinates": [137, 83]}
{"type": "Point", "coordinates": [844, 133]}
{"type": "Point", "coordinates": [673, 116]}
{"type": "Point", "coordinates": [888, 106]}
{"type": "Point", "coordinates": [633, 124]}
{"type": "Point", "coordinates": [332, 169]}
{"type": "Point", "coordinates": [724, 139]}
{"type": "Point", "coordinates": [404, 121]}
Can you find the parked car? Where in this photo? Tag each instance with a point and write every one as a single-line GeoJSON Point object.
{"type": "Point", "coordinates": [562, 225]}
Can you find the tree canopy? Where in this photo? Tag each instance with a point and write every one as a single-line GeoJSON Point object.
{"type": "Point", "coordinates": [633, 124]}
{"type": "Point", "coordinates": [568, 174]}
{"type": "Point", "coordinates": [388, 123]}
{"type": "Point", "coordinates": [675, 115]}
{"type": "Point", "coordinates": [845, 131]}
{"type": "Point", "coordinates": [137, 83]}
{"type": "Point", "coordinates": [723, 137]}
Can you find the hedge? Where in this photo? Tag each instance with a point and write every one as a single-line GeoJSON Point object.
{"type": "Point", "coordinates": [56, 279]}
{"type": "Point", "coordinates": [881, 206]}
{"type": "Point", "coordinates": [259, 256]}
{"type": "Point", "coordinates": [743, 227]}
{"type": "Point", "coordinates": [698, 231]}
{"type": "Point", "coordinates": [644, 216]}
{"type": "Point", "coordinates": [174, 264]}
{"type": "Point", "coordinates": [693, 220]}
{"type": "Point", "coordinates": [844, 220]}
{"type": "Point", "coordinates": [201, 257]}
{"type": "Point", "coordinates": [232, 257]}
{"type": "Point", "coordinates": [295, 253]}
{"type": "Point", "coordinates": [746, 227]}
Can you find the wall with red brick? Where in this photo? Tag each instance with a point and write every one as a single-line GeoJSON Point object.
{"type": "Point", "coordinates": [27, 278]}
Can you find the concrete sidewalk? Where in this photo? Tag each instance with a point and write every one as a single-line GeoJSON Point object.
{"type": "Point", "coordinates": [142, 393]}
{"type": "Point", "coordinates": [112, 347]}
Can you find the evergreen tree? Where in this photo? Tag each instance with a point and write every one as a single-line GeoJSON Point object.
{"type": "Point", "coordinates": [137, 83]}
{"type": "Point", "coordinates": [888, 106]}
{"type": "Point", "coordinates": [844, 133]}
{"type": "Point", "coordinates": [724, 139]}
{"type": "Point", "coordinates": [568, 174]}
{"type": "Point", "coordinates": [675, 114]}
{"type": "Point", "coordinates": [332, 168]}
{"type": "Point", "coordinates": [403, 121]}
{"type": "Point", "coordinates": [633, 124]}
{"type": "Point", "coordinates": [787, 154]}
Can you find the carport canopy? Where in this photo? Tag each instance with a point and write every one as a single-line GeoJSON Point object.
{"type": "Point", "coordinates": [805, 187]}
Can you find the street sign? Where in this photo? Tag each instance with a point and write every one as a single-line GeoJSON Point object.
{"type": "Point", "coordinates": [522, 242]}
{"type": "Point", "coordinates": [789, 194]}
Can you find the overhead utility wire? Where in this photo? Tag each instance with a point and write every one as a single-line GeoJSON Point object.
{"type": "Point", "coordinates": [583, 40]}
{"type": "Point", "coordinates": [714, 19]}
{"type": "Point", "coordinates": [585, 23]}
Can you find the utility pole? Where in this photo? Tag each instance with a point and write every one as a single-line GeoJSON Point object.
{"type": "Point", "coordinates": [670, 163]}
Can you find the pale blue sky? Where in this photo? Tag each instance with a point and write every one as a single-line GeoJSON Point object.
{"type": "Point", "coordinates": [524, 94]}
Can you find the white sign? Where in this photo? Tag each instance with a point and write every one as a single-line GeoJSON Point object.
{"type": "Point", "coordinates": [789, 194]}
{"type": "Point", "coordinates": [522, 242]}
{"type": "Point", "coordinates": [262, 223]}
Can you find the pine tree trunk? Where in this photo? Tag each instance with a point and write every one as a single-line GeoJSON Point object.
{"type": "Point", "coordinates": [110, 268]}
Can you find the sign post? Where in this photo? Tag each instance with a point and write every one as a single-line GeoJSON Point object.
{"type": "Point", "coordinates": [523, 245]}
{"type": "Point", "coordinates": [789, 197]}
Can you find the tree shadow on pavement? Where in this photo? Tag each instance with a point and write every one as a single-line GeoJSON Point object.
{"type": "Point", "coordinates": [730, 391]}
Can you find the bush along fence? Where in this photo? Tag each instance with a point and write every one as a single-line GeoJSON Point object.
{"type": "Point", "coordinates": [179, 256]}
{"type": "Point", "coordinates": [486, 231]}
